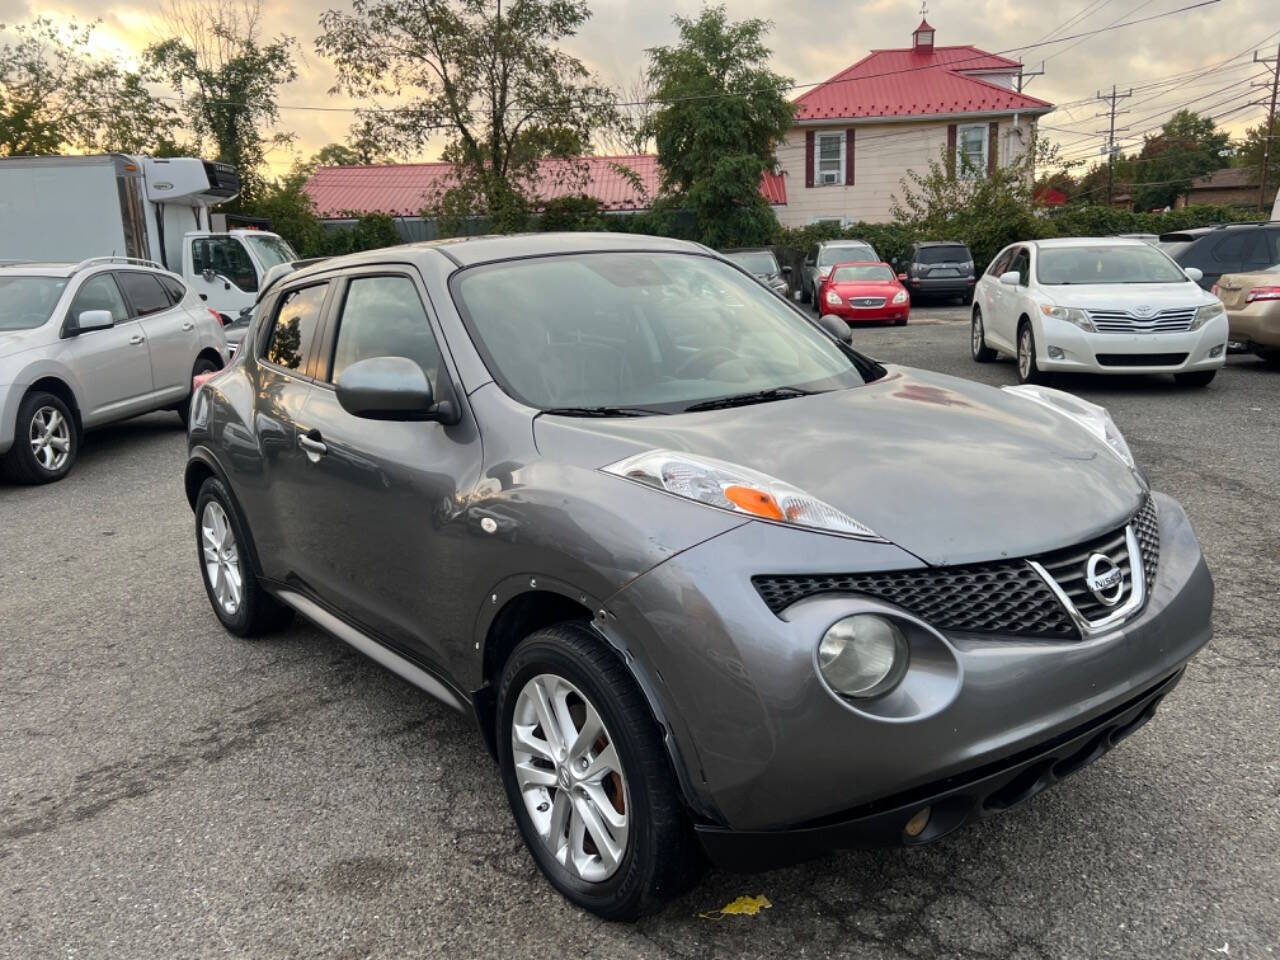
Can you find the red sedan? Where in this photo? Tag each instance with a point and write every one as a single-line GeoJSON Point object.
{"type": "Point", "coordinates": [858, 292]}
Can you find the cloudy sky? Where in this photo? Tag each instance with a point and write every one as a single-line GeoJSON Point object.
{"type": "Point", "coordinates": [813, 39]}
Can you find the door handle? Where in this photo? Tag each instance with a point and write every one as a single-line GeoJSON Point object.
{"type": "Point", "coordinates": [188, 325]}
{"type": "Point", "coordinates": [312, 446]}
{"type": "Point", "coordinates": [136, 339]}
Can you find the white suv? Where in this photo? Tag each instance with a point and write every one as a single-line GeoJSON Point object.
{"type": "Point", "coordinates": [1097, 306]}
{"type": "Point", "coordinates": [88, 343]}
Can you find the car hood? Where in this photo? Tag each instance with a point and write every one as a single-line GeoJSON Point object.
{"type": "Point", "coordinates": [948, 469]}
{"type": "Point", "coordinates": [16, 341]}
{"type": "Point", "coordinates": [1126, 296]}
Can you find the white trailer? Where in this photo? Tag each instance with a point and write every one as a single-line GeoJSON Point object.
{"type": "Point", "coordinates": [73, 208]}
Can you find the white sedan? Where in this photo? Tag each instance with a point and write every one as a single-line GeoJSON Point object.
{"type": "Point", "coordinates": [1097, 306]}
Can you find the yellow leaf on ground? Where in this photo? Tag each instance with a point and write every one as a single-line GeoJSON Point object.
{"type": "Point", "coordinates": [742, 907]}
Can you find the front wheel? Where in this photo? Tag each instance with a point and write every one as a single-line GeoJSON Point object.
{"type": "Point", "coordinates": [587, 777]}
{"type": "Point", "coordinates": [978, 340]}
{"type": "Point", "coordinates": [1028, 369]}
{"type": "Point", "coordinates": [45, 443]}
{"type": "Point", "coordinates": [1196, 378]}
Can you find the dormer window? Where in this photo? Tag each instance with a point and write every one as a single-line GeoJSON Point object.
{"type": "Point", "coordinates": [922, 39]}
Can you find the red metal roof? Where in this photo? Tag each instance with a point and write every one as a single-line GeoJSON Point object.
{"type": "Point", "coordinates": [404, 189]}
{"type": "Point", "coordinates": [915, 83]}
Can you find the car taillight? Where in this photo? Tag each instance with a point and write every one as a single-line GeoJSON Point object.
{"type": "Point", "coordinates": [1214, 290]}
{"type": "Point", "coordinates": [217, 316]}
{"type": "Point", "coordinates": [1263, 293]}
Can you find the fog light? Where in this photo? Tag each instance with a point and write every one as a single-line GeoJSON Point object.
{"type": "Point", "coordinates": [863, 656]}
{"type": "Point", "coordinates": [915, 826]}
{"type": "Point", "coordinates": [1055, 353]}
{"type": "Point", "coordinates": [1216, 351]}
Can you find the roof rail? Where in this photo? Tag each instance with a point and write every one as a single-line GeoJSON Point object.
{"type": "Point", "coordinates": [1244, 223]}
{"type": "Point", "coordinates": [138, 261]}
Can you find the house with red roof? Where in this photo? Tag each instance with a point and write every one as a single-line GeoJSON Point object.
{"type": "Point", "coordinates": [894, 110]}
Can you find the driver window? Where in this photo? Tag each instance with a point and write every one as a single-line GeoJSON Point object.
{"type": "Point", "coordinates": [225, 256]}
{"type": "Point", "coordinates": [1001, 263]}
{"type": "Point", "coordinates": [100, 293]}
{"type": "Point", "coordinates": [1022, 263]}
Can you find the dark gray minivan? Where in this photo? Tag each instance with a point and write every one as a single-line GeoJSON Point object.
{"type": "Point", "coordinates": [711, 584]}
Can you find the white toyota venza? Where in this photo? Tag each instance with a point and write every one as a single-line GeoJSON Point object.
{"type": "Point", "coordinates": [1097, 306]}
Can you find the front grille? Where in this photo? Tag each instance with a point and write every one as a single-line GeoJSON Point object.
{"type": "Point", "coordinates": [1005, 596]}
{"type": "Point", "coordinates": [1121, 321]}
{"type": "Point", "coordinates": [868, 302]}
{"type": "Point", "coordinates": [1142, 359]}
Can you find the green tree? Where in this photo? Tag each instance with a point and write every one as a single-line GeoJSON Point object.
{"type": "Point", "coordinates": [723, 113]}
{"type": "Point", "coordinates": [57, 95]}
{"type": "Point", "coordinates": [1253, 149]}
{"type": "Point", "coordinates": [1187, 146]}
{"type": "Point", "coordinates": [292, 213]}
{"type": "Point", "coordinates": [228, 77]}
{"type": "Point", "coordinates": [490, 75]}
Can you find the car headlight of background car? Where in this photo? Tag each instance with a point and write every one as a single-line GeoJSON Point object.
{"type": "Point", "coordinates": [900, 297]}
{"type": "Point", "coordinates": [1097, 420]}
{"type": "Point", "coordinates": [1210, 311]}
{"type": "Point", "coordinates": [863, 656]}
{"type": "Point", "coordinates": [738, 489]}
{"type": "Point", "coordinates": [1070, 314]}
{"type": "Point", "coordinates": [833, 298]}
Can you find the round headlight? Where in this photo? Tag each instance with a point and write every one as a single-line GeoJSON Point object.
{"type": "Point", "coordinates": [863, 656]}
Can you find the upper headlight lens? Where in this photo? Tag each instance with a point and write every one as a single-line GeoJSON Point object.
{"type": "Point", "coordinates": [1092, 417]}
{"type": "Point", "coordinates": [1070, 314]}
{"type": "Point", "coordinates": [1210, 311]}
{"type": "Point", "coordinates": [737, 489]}
{"type": "Point", "coordinates": [863, 656]}
{"type": "Point", "coordinates": [900, 297]}
{"type": "Point", "coordinates": [833, 298]}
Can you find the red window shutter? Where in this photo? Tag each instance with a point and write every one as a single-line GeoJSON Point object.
{"type": "Point", "coordinates": [848, 157]}
{"type": "Point", "coordinates": [951, 150]}
{"type": "Point", "coordinates": [993, 141]}
{"type": "Point", "coordinates": [808, 158]}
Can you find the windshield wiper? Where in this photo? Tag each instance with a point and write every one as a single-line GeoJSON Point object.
{"type": "Point", "coordinates": [603, 412]}
{"type": "Point", "coordinates": [744, 399]}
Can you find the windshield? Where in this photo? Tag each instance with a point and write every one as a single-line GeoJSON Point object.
{"type": "Point", "coordinates": [759, 262]}
{"type": "Point", "coordinates": [874, 272]}
{"type": "Point", "coordinates": [271, 250]}
{"type": "Point", "coordinates": [650, 332]}
{"type": "Point", "coordinates": [955, 254]}
{"type": "Point", "coordinates": [830, 256]}
{"type": "Point", "coordinates": [27, 302]}
{"type": "Point", "coordinates": [1131, 263]}
{"type": "Point", "coordinates": [1174, 247]}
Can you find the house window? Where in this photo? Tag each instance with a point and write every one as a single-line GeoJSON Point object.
{"type": "Point", "coordinates": [829, 159]}
{"type": "Point", "coordinates": [827, 222]}
{"type": "Point", "coordinates": [971, 145]}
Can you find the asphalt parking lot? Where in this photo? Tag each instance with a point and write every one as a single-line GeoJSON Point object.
{"type": "Point", "coordinates": [169, 791]}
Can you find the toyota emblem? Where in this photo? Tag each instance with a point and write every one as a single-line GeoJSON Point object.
{"type": "Point", "coordinates": [1142, 311]}
{"type": "Point", "coordinates": [1104, 579]}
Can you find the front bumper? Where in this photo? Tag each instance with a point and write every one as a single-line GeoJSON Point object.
{"type": "Point", "coordinates": [1256, 324]}
{"type": "Point", "coordinates": [1084, 352]}
{"type": "Point", "coordinates": [766, 748]}
{"type": "Point", "coordinates": [852, 315]}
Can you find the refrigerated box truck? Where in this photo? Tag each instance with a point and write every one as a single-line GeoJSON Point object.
{"type": "Point", "coordinates": [73, 208]}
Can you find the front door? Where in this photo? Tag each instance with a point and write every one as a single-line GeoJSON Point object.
{"type": "Point", "coordinates": [382, 490]}
{"type": "Point", "coordinates": [1010, 300]}
{"type": "Point", "coordinates": [223, 274]}
{"type": "Point", "coordinates": [170, 331]}
{"type": "Point", "coordinates": [113, 366]}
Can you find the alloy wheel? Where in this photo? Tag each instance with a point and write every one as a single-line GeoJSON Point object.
{"type": "Point", "coordinates": [975, 334]}
{"type": "Point", "coordinates": [50, 436]}
{"type": "Point", "coordinates": [1025, 349]}
{"type": "Point", "coordinates": [221, 557]}
{"type": "Point", "coordinates": [570, 777]}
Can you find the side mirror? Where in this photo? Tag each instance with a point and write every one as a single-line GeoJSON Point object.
{"type": "Point", "coordinates": [390, 388]}
{"type": "Point", "coordinates": [836, 327]}
{"type": "Point", "coordinates": [90, 320]}
{"type": "Point", "coordinates": [810, 261]}
{"type": "Point", "coordinates": [1011, 279]}
{"type": "Point", "coordinates": [244, 313]}
{"type": "Point", "coordinates": [902, 276]}
{"type": "Point", "coordinates": [786, 270]}
{"type": "Point", "coordinates": [1194, 274]}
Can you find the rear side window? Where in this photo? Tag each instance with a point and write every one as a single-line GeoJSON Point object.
{"type": "Point", "coordinates": [100, 293]}
{"type": "Point", "coordinates": [144, 293]}
{"type": "Point", "coordinates": [1230, 252]}
{"type": "Point", "coordinates": [942, 255]}
{"type": "Point", "coordinates": [384, 317]}
{"type": "Point", "coordinates": [174, 289]}
{"type": "Point", "coordinates": [294, 328]}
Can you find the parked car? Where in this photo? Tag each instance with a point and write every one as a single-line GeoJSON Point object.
{"type": "Point", "coordinates": [1226, 248]}
{"type": "Point", "coordinates": [827, 254]}
{"type": "Point", "coordinates": [939, 269]}
{"type": "Point", "coordinates": [710, 580]}
{"type": "Point", "coordinates": [1151, 238]}
{"type": "Point", "coordinates": [89, 343]}
{"type": "Point", "coordinates": [761, 263]}
{"type": "Point", "coordinates": [1097, 306]}
{"type": "Point", "coordinates": [1253, 310]}
{"type": "Point", "coordinates": [864, 293]}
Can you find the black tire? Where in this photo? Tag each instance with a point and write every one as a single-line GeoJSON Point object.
{"type": "Point", "coordinates": [1196, 378]}
{"type": "Point", "coordinates": [662, 858]}
{"type": "Point", "coordinates": [978, 340]}
{"type": "Point", "coordinates": [1028, 369]}
{"type": "Point", "coordinates": [21, 464]}
{"type": "Point", "coordinates": [1270, 357]}
{"type": "Point", "coordinates": [900, 322]}
{"type": "Point", "coordinates": [203, 365]}
{"type": "Point", "coordinates": [258, 612]}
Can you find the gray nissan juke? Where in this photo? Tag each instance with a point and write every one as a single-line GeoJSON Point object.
{"type": "Point", "coordinates": [712, 584]}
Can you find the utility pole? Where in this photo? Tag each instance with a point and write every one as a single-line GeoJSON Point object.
{"type": "Point", "coordinates": [1113, 98]}
{"type": "Point", "coordinates": [1024, 76]}
{"type": "Point", "coordinates": [1270, 132]}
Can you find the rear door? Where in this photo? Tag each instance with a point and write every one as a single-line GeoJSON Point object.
{"type": "Point", "coordinates": [113, 365]}
{"type": "Point", "coordinates": [169, 329]}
